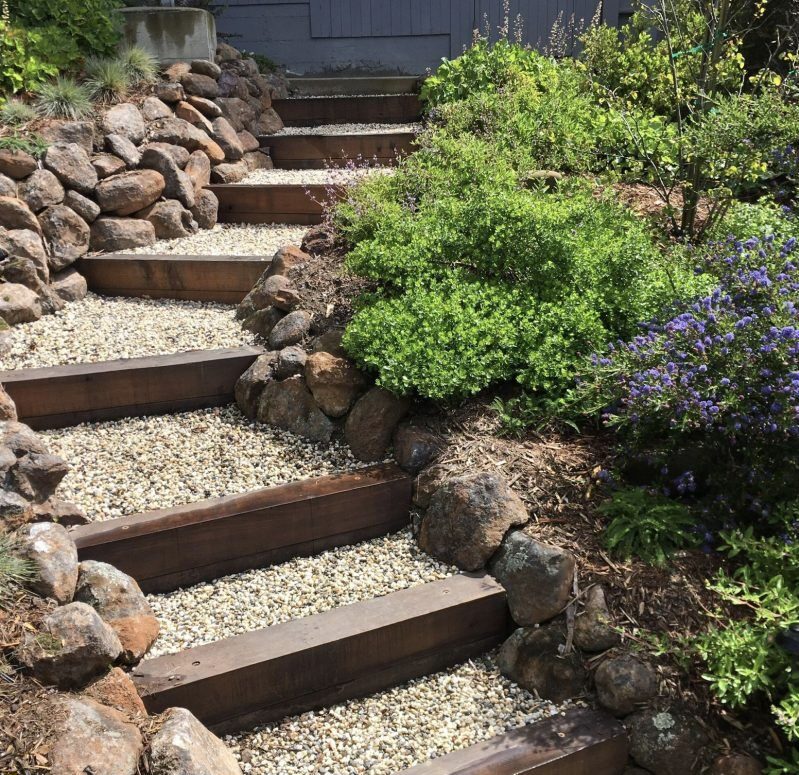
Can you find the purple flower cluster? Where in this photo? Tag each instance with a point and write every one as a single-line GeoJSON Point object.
{"type": "Point", "coordinates": [715, 388]}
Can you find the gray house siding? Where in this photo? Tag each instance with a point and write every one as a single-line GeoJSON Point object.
{"type": "Point", "coordinates": [383, 36]}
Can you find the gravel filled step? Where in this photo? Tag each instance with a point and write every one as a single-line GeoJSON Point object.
{"type": "Point", "coordinates": [183, 545]}
{"type": "Point", "coordinates": [101, 329]}
{"type": "Point", "coordinates": [146, 463]}
{"type": "Point", "coordinates": [382, 108]}
{"type": "Point", "coordinates": [388, 731]}
{"type": "Point", "coordinates": [63, 396]}
{"type": "Point", "coordinates": [243, 602]}
{"type": "Point", "coordinates": [347, 129]}
{"type": "Point", "coordinates": [346, 652]}
{"type": "Point", "coordinates": [271, 204]}
{"type": "Point", "coordinates": [338, 85]}
{"type": "Point", "coordinates": [225, 279]}
{"type": "Point", "coordinates": [230, 239]}
{"type": "Point", "coordinates": [332, 176]}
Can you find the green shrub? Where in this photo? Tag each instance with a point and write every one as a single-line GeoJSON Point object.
{"type": "Point", "coordinates": [484, 281]}
{"type": "Point", "coordinates": [29, 142]}
{"type": "Point", "coordinates": [63, 98]}
{"type": "Point", "coordinates": [16, 112]}
{"type": "Point", "coordinates": [77, 28]}
{"type": "Point", "coordinates": [140, 65]}
{"type": "Point", "coordinates": [107, 80]}
{"type": "Point", "coordinates": [647, 525]}
{"type": "Point", "coordinates": [23, 65]}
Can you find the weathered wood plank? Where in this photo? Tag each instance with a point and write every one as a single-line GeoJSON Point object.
{"type": "Point", "coordinates": [580, 742]}
{"type": "Point", "coordinates": [340, 85]}
{"type": "Point", "coordinates": [225, 279]}
{"type": "Point", "coordinates": [295, 204]}
{"type": "Point", "coordinates": [318, 660]}
{"type": "Point", "coordinates": [61, 396]}
{"type": "Point", "coordinates": [175, 547]}
{"type": "Point", "coordinates": [377, 109]}
{"type": "Point", "coordinates": [319, 151]}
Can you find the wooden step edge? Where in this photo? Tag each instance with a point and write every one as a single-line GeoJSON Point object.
{"type": "Point", "coordinates": [184, 545]}
{"type": "Point", "coordinates": [283, 203]}
{"type": "Point", "coordinates": [577, 742]}
{"type": "Point", "coordinates": [358, 649]}
{"type": "Point", "coordinates": [221, 279]}
{"type": "Point", "coordinates": [346, 109]}
{"type": "Point", "coordinates": [61, 396]}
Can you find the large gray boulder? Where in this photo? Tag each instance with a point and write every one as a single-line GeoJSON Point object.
{"type": "Point", "coordinates": [593, 628]}
{"type": "Point", "coordinates": [415, 447]}
{"type": "Point", "coordinates": [183, 746]}
{"type": "Point", "coordinates": [623, 683]}
{"type": "Point", "coordinates": [289, 405]}
{"type": "Point", "coordinates": [291, 329]}
{"type": "Point", "coordinates": [66, 235]}
{"type": "Point", "coordinates": [538, 578]}
{"type": "Point", "coordinates": [72, 166]}
{"type": "Point", "coordinates": [120, 602]}
{"type": "Point", "coordinates": [169, 219]}
{"type": "Point", "coordinates": [18, 304]}
{"type": "Point", "coordinates": [177, 183]}
{"type": "Point", "coordinates": [83, 206]}
{"type": "Point", "coordinates": [25, 243]}
{"type": "Point", "coordinates": [124, 148]}
{"type": "Point", "coordinates": [198, 168]}
{"type": "Point", "coordinates": [53, 557]}
{"type": "Point", "coordinates": [69, 285]}
{"type": "Point", "coordinates": [225, 135]}
{"type": "Point", "coordinates": [533, 659]}
{"type": "Point", "coordinates": [73, 645]}
{"type": "Point", "coordinates": [206, 209]}
{"type": "Point", "coordinates": [41, 190]}
{"type": "Point", "coordinates": [200, 85]}
{"type": "Point", "coordinates": [15, 214]}
{"type": "Point", "coordinates": [64, 131]}
{"type": "Point", "coordinates": [93, 738]}
{"type": "Point", "coordinates": [251, 384]}
{"type": "Point", "coordinates": [110, 235]}
{"type": "Point", "coordinates": [126, 120]}
{"type": "Point", "coordinates": [467, 519]}
{"type": "Point", "coordinates": [176, 131]}
{"type": "Point", "coordinates": [372, 421]}
{"type": "Point", "coordinates": [665, 742]}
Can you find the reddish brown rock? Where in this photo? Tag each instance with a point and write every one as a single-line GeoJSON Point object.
{"type": "Point", "coordinates": [198, 168]}
{"type": "Point", "coordinates": [16, 164]}
{"type": "Point", "coordinates": [124, 119]}
{"type": "Point", "coordinates": [15, 214]}
{"type": "Point", "coordinates": [111, 235]}
{"type": "Point", "coordinates": [69, 285]}
{"type": "Point", "coordinates": [41, 190]}
{"type": "Point", "coordinates": [206, 207]}
{"type": "Point", "coordinates": [8, 410]}
{"type": "Point", "coordinates": [129, 192]}
{"type": "Point", "coordinates": [240, 114]}
{"type": "Point", "coordinates": [72, 166]}
{"type": "Point", "coordinates": [289, 405]}
{"type": "Point", "coordinates": [188, 112]}
{"type": "Point", "coordinates": [268, 123]}
{"type": "Point", "coordinates": [154, 108]}
{"type": "Point", "coordinates": [251, 384]}
{"type": "Point", "coordinates": [169, 219]}
{"type": "Point", "coordinates": [334, 382]}
{"type": "Point", "coordinates": [249, 142]}
{"type": "Point", "coordinates": [18, 304]}
{"type": "Point", "coordinates": [468, 518]}
{"type": "Point", "coordinates": [169, 92]}
{"type": "Point", "coordinates": [225, 136]}
{"type": "Point", "coordinates": [116, 690]}
{"type": "Point", "coordinates": [372, 421]}
{"type": "Point", "coordinates": [106, 165]}
{"type": "Point", "coordinates": [200, 85]}
{"type": "Point", "coordinates": [291, 329]}
{"type": "Point", "coordinates": [232, 172]}
{"type": "Point", "coordinates": [66, 235]}
{"type": "Point", "coordinates": [207, 107]}
{"type": "Point", "coordinates": [53, 557]}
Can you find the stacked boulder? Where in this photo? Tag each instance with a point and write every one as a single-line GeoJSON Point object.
{"type": "Point", "coordinates": [97, 622]}
{"type": "Point", "coordinates": [136, 175]}
{"type": "Point", "coordinates": [313, 394]}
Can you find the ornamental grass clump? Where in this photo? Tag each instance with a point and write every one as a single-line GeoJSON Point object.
{"type": "Point", "coordinates": [709, 398]}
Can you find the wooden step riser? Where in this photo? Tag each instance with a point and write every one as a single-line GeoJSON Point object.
{"type": "Point", "coordinates": [580, 742]}
{"type": "Point", "coordinates": [378, 109]}
{"type": "Point", "coordinates": [355, 85]}
{"type": "Point", "coordinates": [62, 396]}
{"type": "Point", "coordinates": [184, 545]}
{"type": "Point", "coordinates": [289, 204]}
{"type": "Point", "coordinates": [320, 151]}
{"type": "Point", "coordinates": [225, 279]}
{"type": "Point", "coordinates": [236, 683]}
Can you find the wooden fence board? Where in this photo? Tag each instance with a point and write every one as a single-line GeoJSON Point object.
{"type": "Point", "coordinates": [60, 396]}
{"type": "Point", "coordinates": [183, 545]}
{"type": "Point", "coordinates": [318, 660]}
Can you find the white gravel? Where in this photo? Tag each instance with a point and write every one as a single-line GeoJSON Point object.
{"type": "Point", "coordinates": [348, 129]}
{"type": "Point", "coordinates": [395, 729]}
{"type": "Point", "coordinates": [105, 328]}
{"type": "Point", "coordinates": [334, 176]}
{"type": "Point", "coordinates": [230, 239]}
{"type": "Point", "coordinates": [301, 587]}
{"type": "Point", "coordinates": [142, 463]}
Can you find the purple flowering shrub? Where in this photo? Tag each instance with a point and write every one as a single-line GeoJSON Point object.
{"type": "Point", "coordinates": [709, 399]}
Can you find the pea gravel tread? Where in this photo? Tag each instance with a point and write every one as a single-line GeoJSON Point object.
{"type": "Point", "coordinates": [145, 463]}
{"type": "Point", "coordinates": [100, 328]}
{"type": "Point", "coordinates": [291, 590]}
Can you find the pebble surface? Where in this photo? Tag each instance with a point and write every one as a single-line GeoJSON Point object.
{"type": "Point", "coordinates": [348, 129]}
{"type": "Point", "coordinates": [230, 239]}
{"type": "Point", "coordinates": [106, 328]}
{"type": "Point", "coordinates": [301, 587]}
{"type": "Point", "coordinates": [392, 730]}
{"type": "Point", "coordinates": [332, 176]}
{"type": "Point", "coordinates": [142, 463]}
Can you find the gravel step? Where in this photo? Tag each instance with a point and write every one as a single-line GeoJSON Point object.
{"type": "Point", "coordinates": [230, 239]}
{"type": "Point", "coordinates": [103, 328]}
{"type": "Point", "coordinates": [334, 176]}
{"type": "Point", "coordinates": [248, 601]}
{"type": "Point", "coordinates": [394, 729]}
{"type": "Point", "coordinates": [144, 463]}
